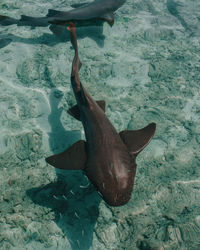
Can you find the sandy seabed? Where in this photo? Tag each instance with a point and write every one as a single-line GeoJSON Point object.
{"type": "Point", "coordinates": [147, 69]}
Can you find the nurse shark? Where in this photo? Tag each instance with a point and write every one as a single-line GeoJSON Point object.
{"type": "Point", "coordinates": [84, 14]}
{"type": "Point", "coordinates": [107, 158]}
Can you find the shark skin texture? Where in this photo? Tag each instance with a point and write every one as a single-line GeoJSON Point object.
{"type": "Point", "coordinates": [82, 15]}
{"type": "Point", "coordinates": [107, 158]}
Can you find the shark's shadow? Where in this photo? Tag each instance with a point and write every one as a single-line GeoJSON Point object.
{"type": "Point", "coordinates": [72, 198]}
{"type": "Point", "coordinates": [60, 35]}
{"type": "Point", "coordinates": [59, 137]}
{"type": "Point", "coordinates": [75, 208]}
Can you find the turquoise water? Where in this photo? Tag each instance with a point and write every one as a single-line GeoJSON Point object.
{"type": "Point", "coordinates": [146, 67]}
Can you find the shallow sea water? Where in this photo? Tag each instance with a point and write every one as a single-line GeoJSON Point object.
{"type": "Point", "coordinates": [147, 69]}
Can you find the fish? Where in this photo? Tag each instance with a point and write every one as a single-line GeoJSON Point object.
{"type": "Point", "coordinates": [106, 157]}
{"type": "Point", "coordinates": [82, 15]}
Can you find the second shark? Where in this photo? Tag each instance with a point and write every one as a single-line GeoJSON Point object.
{"type": "Point", "coordinates": [108, 158]}
{"type": "Point", "coordinates": [84, 14]}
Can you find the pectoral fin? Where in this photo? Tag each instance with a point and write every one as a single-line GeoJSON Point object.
{"type": "Point", "coordinates": [75, 112]}
{"type": "Point", "coordinates": [109, 18]}
{"type": "Point", "coordinates": [57, 29]}
{"type": "Point", "coordinates": [74, 158]}
{"type": "Point", "coordinates": [136, 140]}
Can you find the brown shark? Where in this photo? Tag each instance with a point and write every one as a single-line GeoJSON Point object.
{"type": "Point", "coordinates": [108, 158]}
{"type": "Point", "coordinates": [83, 14]}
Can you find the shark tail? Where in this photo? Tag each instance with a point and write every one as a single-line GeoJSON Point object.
{"type": "Point", "coordinates": [76, 62]}
{"type": "Point", "coordinates": [33, 21]}
{"type": "Point", "coordinates": [5, 20]}
{"type": "Point", "coordinates": [76, 65]}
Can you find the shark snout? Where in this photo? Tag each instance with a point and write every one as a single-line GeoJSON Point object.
{"type": "Point", "coordinates": [118, 199]}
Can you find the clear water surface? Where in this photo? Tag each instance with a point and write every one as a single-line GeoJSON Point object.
{"type": "Point", "coordinates": [147, 68]}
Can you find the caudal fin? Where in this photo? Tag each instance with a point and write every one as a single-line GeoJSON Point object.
{"type": "Point", "coordinates": [6, 20]}
{"type": "Point", "coordinates": [76, 62]}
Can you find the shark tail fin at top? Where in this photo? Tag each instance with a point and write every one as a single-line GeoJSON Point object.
{"type": "Point", "coordinates": [74, 158]}
{"type": "Point", "coordinates": [76, 62]}
{"type": "Point", "coordinates": [72, 30]}
{"type": "Point", "coordinates": [76, 65]}
{"type": "Point", "coordinates": [137, 140]}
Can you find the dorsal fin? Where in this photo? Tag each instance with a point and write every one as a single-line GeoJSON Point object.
{"type": "Point", "coordinates": [102, 105]}
{"type": "Point", "coordinates": [74, 158]}
{"type": "Point", "coordinates": [75, 112]}
{"type": "Point", "coordinates": [136, 140]}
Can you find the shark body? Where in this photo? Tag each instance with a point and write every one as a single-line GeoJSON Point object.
{"type": "Point", "coordinates": [84, 14]}
{"type": "Point", "coordinates": [108, 158]}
